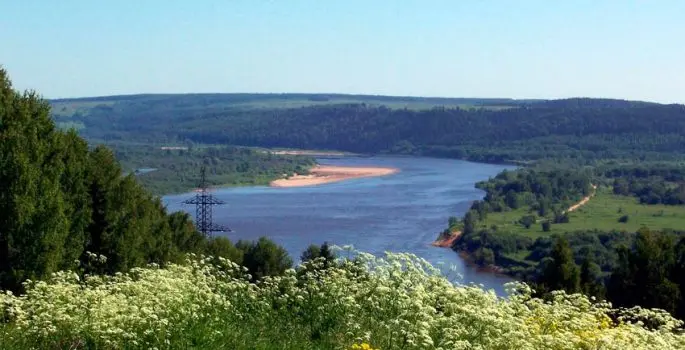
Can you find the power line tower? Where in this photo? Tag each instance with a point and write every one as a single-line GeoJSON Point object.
{"type": "Point", "coordinates": [204, 201]}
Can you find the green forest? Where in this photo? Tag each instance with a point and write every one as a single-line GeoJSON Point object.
{"type": "Point", "coordinates": [575, 130]}
{"type": "Point", "coordinates": [68, 206]}
{"type": "Point", "coordinates": [167, 171]}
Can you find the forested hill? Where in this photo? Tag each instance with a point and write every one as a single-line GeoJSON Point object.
{"type": "Point", "coordinates": [489, 130]}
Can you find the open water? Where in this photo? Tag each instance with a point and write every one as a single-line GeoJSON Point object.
{"type": "Point", "coordinates": [403, 212]}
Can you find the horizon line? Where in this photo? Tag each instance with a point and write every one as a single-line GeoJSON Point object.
{"type": "Point", "coordinates": [124, 95]}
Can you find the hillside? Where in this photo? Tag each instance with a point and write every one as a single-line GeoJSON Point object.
{"type": "Point", "coordinates": [486, 130]}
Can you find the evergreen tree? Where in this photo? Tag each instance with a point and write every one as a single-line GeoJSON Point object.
{"type": "Point", "coordinates": [590, 277]}
{"type": "Point", "coordinates": [34, 222]}
{"type": "Point", "coordinates": [644, 275]}
{"type": "Point", "coordinates": [470, 221]}
{"type": "Point", "coordinates": [58, 201]}
{"type": "Point", "coordinates": [314, 251]}
{"type": "Point", "coordinates": [678, 274]}
{"type": "Point", "coordinates": [264, 258]}
{"type": "Point", "coordinates": [560, 270]}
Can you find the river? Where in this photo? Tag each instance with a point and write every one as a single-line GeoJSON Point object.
{"type": "Point", "coordinates": [403, 212]}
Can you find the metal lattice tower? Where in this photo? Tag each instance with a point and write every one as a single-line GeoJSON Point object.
{"type": "Point", "coordinates": [204, 202]}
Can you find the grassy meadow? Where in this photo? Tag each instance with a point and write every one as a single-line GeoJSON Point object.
{"type": "Point", "coordinates": [82, 106]}
{"type": "Point", "coordinates": [602, 212]}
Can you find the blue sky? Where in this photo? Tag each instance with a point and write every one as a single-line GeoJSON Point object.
{"type": "Point", "coordinates": [519, 49]}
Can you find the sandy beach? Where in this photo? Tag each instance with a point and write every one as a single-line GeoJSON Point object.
{"type": "Point", "coordinates": [309, 153]}
{"type": "Point", "coordinates": [323, 174]}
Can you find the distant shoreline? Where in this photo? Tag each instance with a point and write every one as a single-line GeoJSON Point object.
{"type": "Point", "coordinates": [324, 174]}
{"type": "Point", "coordinates": [311, 153]}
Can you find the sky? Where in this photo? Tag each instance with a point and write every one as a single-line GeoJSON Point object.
{"type": "Point", "coordinates": [516, 49]}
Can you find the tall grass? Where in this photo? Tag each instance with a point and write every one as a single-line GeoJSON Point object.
{"type": "Point", "coordinates": [398, 302]}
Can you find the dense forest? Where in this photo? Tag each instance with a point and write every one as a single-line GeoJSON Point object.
{"type": "Point", "coordinates": [576, 130]}
{"type": "Point", "coordinates": [65, 205]}
{"type": "Point", "coordinates": [165, 171]}
{"type": "Point", "coordinates": [651, 183]}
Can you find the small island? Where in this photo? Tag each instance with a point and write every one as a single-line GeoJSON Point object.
{"type": "Point", "coordinates": [323, 174]}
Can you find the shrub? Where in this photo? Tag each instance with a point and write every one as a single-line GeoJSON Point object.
{"type": "Point", "coordinates": [527, 221]}
{"type": "Point", "coordinates": [396, 302]}
{"type": "Point", "coordinates": [484, 257]}
{"type": "Point", "coordinates": [623, 219]}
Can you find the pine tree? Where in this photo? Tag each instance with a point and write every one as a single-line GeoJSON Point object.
{"type": "Point", "coordinates": [590, 277]}
{"type": "Point", "coordinates": [58, 200]}
{"type": "Point", "coordinates": [264, 258]}
{"type": "Point", "coordinates": [645, 274]}
{"type": "Point", "coordinates": [34, 225]}
{"type": "Point", "coordinates": [560, 270]}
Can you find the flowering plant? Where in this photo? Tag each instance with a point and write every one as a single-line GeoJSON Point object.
{"type": "Point", "coordinates": [395, 302]}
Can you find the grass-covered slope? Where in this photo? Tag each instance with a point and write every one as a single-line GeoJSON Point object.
{"type": "Point", "coordinates": [399, 302]}
{"type": "Point", "coordinates": [602, 211]}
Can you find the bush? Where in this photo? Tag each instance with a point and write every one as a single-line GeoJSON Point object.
{"type": "Point", "coordinates": [623, 219]}
{"type": "Point", "coordinates": [264, 258]}
{"type": "Point", "coordinates": [370, 300]}
{"type": "Point", "coordinates": [484, 257]}
{"type": "Point", "coordinates": [561, 219]}
{"type": "Point", "coordinates": [546, 226]}
{"type": "Point", "coordinates": [527, 221]}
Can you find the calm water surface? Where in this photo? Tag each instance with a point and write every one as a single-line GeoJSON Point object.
{"type": "Point", "coordinates": [403, 212]}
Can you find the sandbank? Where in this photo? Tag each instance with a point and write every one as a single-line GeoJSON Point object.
{"type": "Point", "coordinates": [323, 174]}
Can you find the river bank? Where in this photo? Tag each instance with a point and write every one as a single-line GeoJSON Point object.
{"type": "Point", "coordinates": [323, 174]}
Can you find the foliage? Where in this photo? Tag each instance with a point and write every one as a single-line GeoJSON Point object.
{"type": "Point", "coordinates": [315, 252]}
{"type": "Point", "coordinates": [61, 202]}
{"type": "Point", "coordinates": [572, 130]}
{"type": "Point", "coordinates": [559, 270]}
{"type": "Point", "coordinates": [221, 247]}
{"type": "Point", "coordinates": [527, 221]}
{"type": "Point", "coordinates": [399, 302]}
{"type": "Point", "coordinates": [652, 183]}
{"type": "Point", "coordinates": [60, 199]}
{"type": "Point", "coordinates": [264, 258]}
{"type": "Point", "coordinates": [177, 170]}
{"type": "Point", "coordinates": [647, 274]}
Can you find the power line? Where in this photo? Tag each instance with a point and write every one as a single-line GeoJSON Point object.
{"type": "Point", "coordinates": [204, 201]}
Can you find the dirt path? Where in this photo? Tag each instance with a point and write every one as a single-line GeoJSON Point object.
{"type": "Point", "coordinates": [583, 201]}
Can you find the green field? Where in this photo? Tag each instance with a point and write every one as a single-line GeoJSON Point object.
{"type": "Point", "coordinates": [602, 212]}
{"type": "Point", "coordinates": [214, 102]}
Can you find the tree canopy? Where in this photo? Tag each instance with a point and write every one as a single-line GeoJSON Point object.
{"type": "Point", "coordinates": [63, 202]}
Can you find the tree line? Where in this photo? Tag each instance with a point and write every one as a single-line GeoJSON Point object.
{"type": "Point", "coordinates": [67, 206]}
{"type": "Point", "coordinates": [649, 272]}
{"type": "Point", "coordinates": [575, 130]}
{"type": "Point", "coordinates": [176, 170]}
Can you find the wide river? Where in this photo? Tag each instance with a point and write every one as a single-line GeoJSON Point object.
{"type": "Point", "coordinates": [403, 212]}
